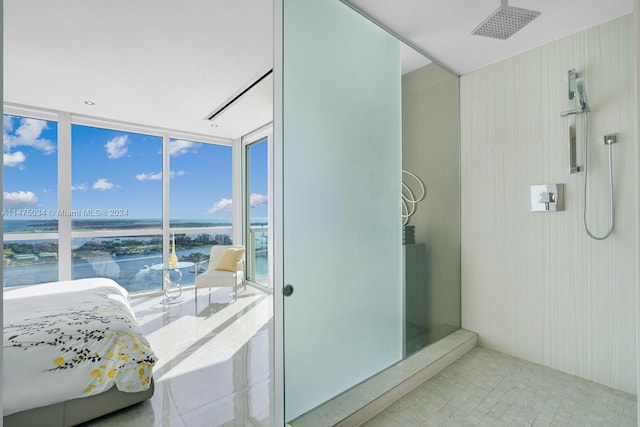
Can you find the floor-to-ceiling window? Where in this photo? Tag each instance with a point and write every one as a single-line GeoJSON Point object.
{"type": "Point", "coordinates": [30, 195]}
{"type": "Point", "coordinates": [201, 203]}
{"type": "Point", "coordinates": [256, 212]}
{"type": "Point", "coordinates": [116, 205]}
{"type": "Point", "coordinates": [121, 207]}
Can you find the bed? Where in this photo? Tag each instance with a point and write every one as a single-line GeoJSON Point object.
{"type": "Point", "coordinates": [73, 351]}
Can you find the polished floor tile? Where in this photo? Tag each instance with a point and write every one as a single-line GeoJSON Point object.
{"type": "Point", "coordinates": [215, 369]}
{"type": "Point", "coordinates": [249, 407]}
{"type": "Point", "coordinates": [214, 362]}
{"type": "Point", "coordinates": [488, 388]}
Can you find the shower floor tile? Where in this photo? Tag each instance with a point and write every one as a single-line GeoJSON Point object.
{"type": "Point", "coordinates": [488, 388]}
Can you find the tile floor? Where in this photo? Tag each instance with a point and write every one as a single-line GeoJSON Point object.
{"type": "Point", "coordinates": [488, 388]}
{"type": "Point", "coordinates": [214, 366]}
{"type": "Point", "coordinates": [214, 369]}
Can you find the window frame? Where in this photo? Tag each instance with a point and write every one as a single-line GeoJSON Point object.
{"type": "Point", "coordinates": [65, 234]}
{"type": "Point", "coordinates": [260, 134]}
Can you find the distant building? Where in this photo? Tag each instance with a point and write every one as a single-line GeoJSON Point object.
{"type": "Point", "coordinates": [204, 237]}
{"type": "Point", "coordinates": [223, 239]}
{"type": "Point", "coordinates": [48, 256]}
{"type": "Point", "coordinates": [25, 258]}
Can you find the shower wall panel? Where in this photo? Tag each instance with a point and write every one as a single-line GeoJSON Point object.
{"type": "Point", "coordinates": [534, 285]}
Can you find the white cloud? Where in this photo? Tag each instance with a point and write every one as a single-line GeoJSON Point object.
{"type": "Point", "coordinates": [156, 176]}
{"type": "Point", "coordinates": [103, 185]}
{"type": "Point", "coordinates": [7, 123]}
{"type": "Point", "coordinates": [27, 134]}
{"type": "Point", "coordinates": [80, 187]}
{"type": "Point", "coordinates": [149, 176]}
{"type": "Point", "coordinates": [226, 204]}
{"type": "Point", "coordinates": [221, 205]}
{"type": "Point", "coordinates": [178, 147]}
{"type": "Point", "coordinates": [14, 159]}
{"type": "Point", "coordinates": [117, 147]}
{"type": "Point", "coordinates": [19, 199]}
{"type": "Point", "coordinates": [256, 200]}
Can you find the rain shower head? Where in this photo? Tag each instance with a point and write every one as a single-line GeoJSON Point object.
{"type": "Point", "coordinates": [505, 22]}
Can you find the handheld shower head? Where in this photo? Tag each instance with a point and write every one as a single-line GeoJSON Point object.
{"type": "Point", "coordinates": [582, 95]}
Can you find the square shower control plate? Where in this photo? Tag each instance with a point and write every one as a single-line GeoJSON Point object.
{"type": "Point", "coordinates": [547, 198]}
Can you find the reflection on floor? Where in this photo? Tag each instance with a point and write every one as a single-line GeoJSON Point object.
{"type": "Point", "coordinates": [214, 366]}
{"type": "Point", "coordinates": [488, 388]}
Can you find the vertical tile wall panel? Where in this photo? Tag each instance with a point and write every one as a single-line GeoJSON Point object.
{"type": "Point", "coordinates": [534, 285]}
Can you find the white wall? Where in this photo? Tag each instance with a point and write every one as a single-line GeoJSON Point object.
{"type": "Point", "coordinates": [533, 284]}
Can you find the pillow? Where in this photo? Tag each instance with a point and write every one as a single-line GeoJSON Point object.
{"type": "Point", "coordinates": [229, 259]}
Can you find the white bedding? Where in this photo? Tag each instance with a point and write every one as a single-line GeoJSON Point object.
{"type": "Point", "coordinates": [70, 339]}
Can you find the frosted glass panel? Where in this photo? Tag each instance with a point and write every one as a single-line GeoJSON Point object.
{"type": "Point", "coordinates": [342, 227]}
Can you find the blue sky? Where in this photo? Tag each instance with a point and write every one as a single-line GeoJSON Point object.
{"type": "Point", "coordinates": [105, 164]}
{"type": "Point", "coordinates": [30, 163]}
{"type": "Point", "coordinates": [258, 179]}
{"type": "Point", "coordinates": [122, 170]}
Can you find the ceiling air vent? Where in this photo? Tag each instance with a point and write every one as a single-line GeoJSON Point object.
{"type": "Point", "coordinates": [228, 103]}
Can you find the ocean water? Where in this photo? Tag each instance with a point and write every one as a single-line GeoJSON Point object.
{"type": "Point", "coordinates": [45, 225]}
{"type": "Point", "coordinates": [132, 271]}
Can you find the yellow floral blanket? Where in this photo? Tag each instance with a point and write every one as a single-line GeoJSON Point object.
{"type": "Point", "coordinates": [70, 339]}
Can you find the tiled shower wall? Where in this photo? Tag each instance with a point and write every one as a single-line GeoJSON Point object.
{"type": "Point", "coordinates": [534, 285]}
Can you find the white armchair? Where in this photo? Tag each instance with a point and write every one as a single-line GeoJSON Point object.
{"type": "Point", "coordinates": [226, 269]}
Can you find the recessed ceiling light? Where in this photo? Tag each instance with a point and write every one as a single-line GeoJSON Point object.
{"type": "Point", "coordinates": [89, 102]}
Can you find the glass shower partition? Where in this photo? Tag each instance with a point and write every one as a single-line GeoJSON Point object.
{"type": "Point", "coordinates": [341, 177]}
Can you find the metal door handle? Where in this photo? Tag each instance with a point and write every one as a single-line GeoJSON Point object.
{"type": "Point", "coordinates": [287, 290]}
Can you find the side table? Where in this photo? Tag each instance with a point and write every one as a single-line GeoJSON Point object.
{"type": "Point", "coordinates": [171, 288]}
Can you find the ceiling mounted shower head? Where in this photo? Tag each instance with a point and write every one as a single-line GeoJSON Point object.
{"type": "Point", "coordinates": [505, 22]}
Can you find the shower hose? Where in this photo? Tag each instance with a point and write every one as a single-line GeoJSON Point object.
{"type": "Point", "coordinates": [585, 123]}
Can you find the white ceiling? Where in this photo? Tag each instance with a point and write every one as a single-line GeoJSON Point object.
{"type": "Point", "coordinates": [170, 63]}
{"type": "Point", "coordinates": [163, 63]}
{"type": "Point", "coordinates": [442, 28]}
